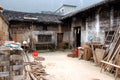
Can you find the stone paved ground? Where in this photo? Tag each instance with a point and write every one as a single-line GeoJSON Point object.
{"type": "Point", "coordinates": [61, 67]}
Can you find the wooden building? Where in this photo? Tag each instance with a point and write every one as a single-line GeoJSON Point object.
{"type": "Point", "coordinates": [93, 22]}
{"type": "Point", "coordinates": [38, 29]}
{"type": "Point", "coordinates": [4, 35]}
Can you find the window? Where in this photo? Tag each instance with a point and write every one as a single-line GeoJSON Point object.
{"type": "Point", "coordinates": [45, 27]}
{"type": "Point", "coordinates": [44, 38]}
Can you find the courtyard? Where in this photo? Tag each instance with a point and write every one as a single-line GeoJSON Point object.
{"type": "Point", "coordinates": [61, 67]}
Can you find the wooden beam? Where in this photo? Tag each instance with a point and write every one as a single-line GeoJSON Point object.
{"type": "Point", "coordinates": [117, 67]}
{"type": "Point", "coordinates": [110, 64]}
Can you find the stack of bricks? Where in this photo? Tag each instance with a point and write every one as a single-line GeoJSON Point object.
{"type": "Point", "coordinates": [11, 65]}
{"type": "Point", "coordinates": [16, 65]}
{"type": "Point", "coordinates": [4, 66]}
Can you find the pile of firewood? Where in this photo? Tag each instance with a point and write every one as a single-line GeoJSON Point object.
{"type": "Point", "coordinates": [37, 71]}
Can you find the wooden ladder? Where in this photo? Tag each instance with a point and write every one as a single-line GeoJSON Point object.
{"type": "Point", "coordinates": [110, 36]}
{"type": "Point", "coordinates": [114, 43]}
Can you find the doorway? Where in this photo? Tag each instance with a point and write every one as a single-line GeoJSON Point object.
{"type": "Point", "coordinates": [59, 40]}
{"type": "Point", "coordinates": [77, 33]}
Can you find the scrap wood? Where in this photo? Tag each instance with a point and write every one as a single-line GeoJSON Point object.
{"type": "Point", "coordinates": [114, 50]}
{"type": "Point", "coordinates": [113, 57]}
{"type": "Point", "coordinates": [118, 63]}
{"type": "Point", "coordinates": [94, 55]}
{"type": "Point", "coordinates": [38, 70]}
{"type": "Point", "coordinates": [110, 60]}
{"type": "Point", "coordinates": [39, 58]}
{"type": "Point", "coordinates": [113, 45]}
{"type": "Point", "coordinates": [115, 53]}
{"type": "Point", "coordinates": [41, 78]}
{"type": "Point", "coordinates": [34, 72]}
{"type": "Point", "coordinates": [116, 66]}
{"type": "Point", "coordinates": [118, 60]}
{"type": "Point", "coordinates": [99, 54]}
{"type": "Point", "coordinates": [37, 67]}
{"type": "Point", "coordinates": [39, 73]}
{"type": "Point", "coordinates": [32, 76]}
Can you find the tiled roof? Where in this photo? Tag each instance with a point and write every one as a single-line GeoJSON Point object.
{"type": "Point", "coordinates": [36, 17]}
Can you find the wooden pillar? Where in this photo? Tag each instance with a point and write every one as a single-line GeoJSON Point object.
{"type": "Point", "coordinates": [59, 37]}
{"type": "Point", "coordinates": [72, 34]}
{"type": "Point", "coordinates": [59, 28]}
{"type": "Point", "coordinates": [86, 25]}
{"type": "Point", "coordinates": [111, 17]}
{"type": "Point", "coordinates": [31, 37]}
{"type": "Point", "coordinates": [97, 25]}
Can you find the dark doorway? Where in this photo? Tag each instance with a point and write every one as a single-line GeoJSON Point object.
{"type": "Point", "coordinates": [59, 40]}
{"type": "Point", "coordinates": [77, 31]}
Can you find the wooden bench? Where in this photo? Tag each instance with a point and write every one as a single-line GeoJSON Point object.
{"type": "Point", "coordinates": [117, 67]}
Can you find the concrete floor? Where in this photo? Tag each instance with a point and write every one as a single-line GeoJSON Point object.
{"type": "Point", "coordinates": [61, 67]}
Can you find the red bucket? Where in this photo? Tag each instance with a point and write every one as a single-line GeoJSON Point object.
{"type": "Point", "coordinates": [76, 51]}
{"type": "Point", "coordinates": [35, 53]}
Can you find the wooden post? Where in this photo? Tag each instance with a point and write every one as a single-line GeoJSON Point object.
{"type": "Point", "coordinates": [31, 37]}
{"type": "Point", "coordinates": [86, 30]}
{"type": "Point", "coordinates": [72, 34]}
{"type": "Point", "coordinates": [59, 28]}
{"type": "Point", "coordinates": [111, 17]}
{"type": "Point", "coordinates": [97, 24]}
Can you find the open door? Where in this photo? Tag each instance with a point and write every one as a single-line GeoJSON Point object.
{"type": "Point", "coordinates": [59, 40]}
{"type": "Point", "coordinates": [77, 34]}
